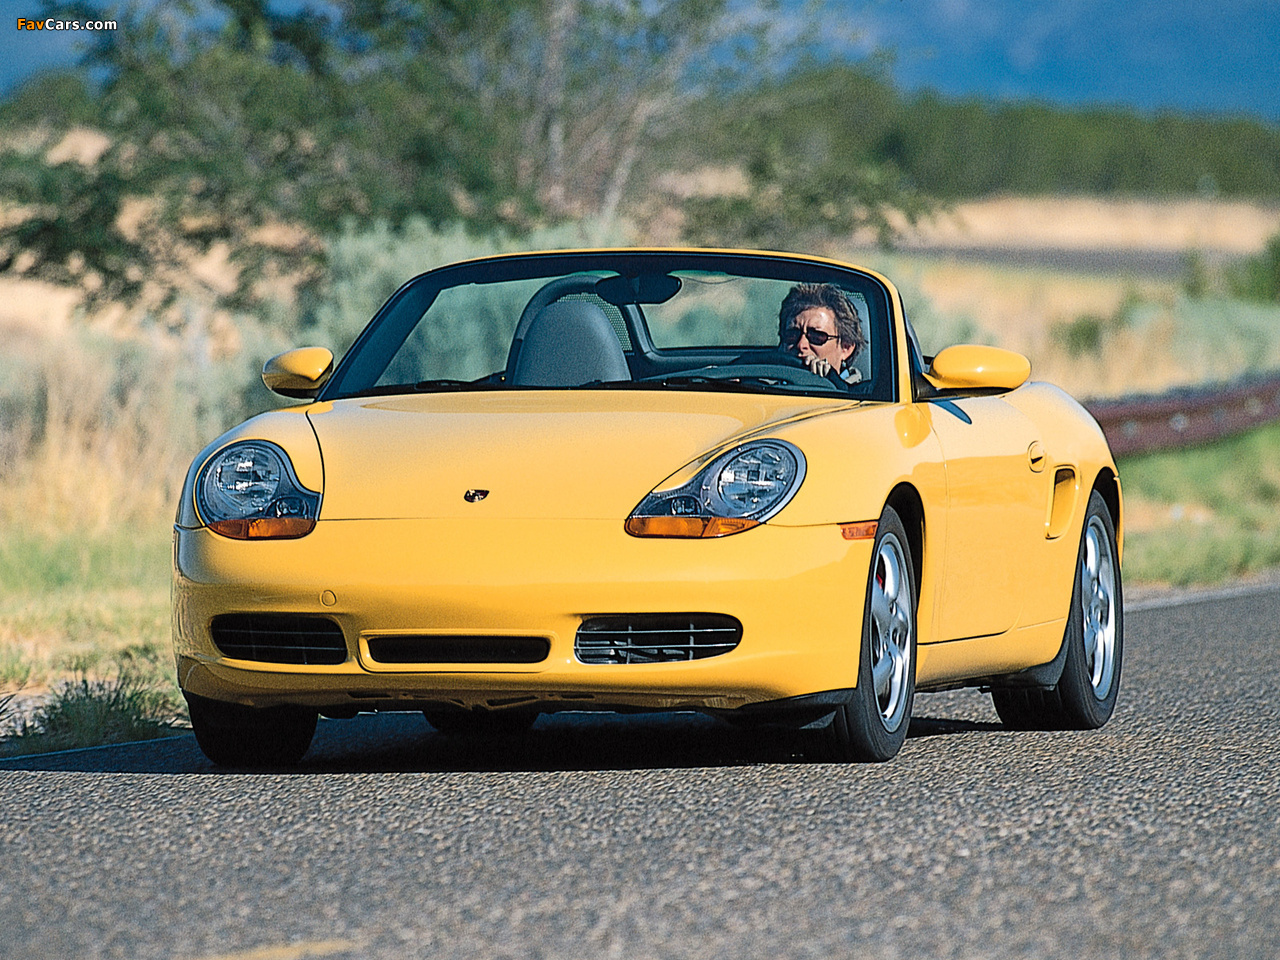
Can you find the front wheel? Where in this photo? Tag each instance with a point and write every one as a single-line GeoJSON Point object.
{"type": "Point", "coordinates": [232, 735]}
{"type": "Point", "coordinates": [873, 725]}
{"type": "Point", "coordinates": [1085, 695]}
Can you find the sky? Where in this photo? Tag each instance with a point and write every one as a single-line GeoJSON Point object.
{"type": "Point", "coordinates": [1217, 56]}
{"type": "Point", "coordinates": [1206, 56]}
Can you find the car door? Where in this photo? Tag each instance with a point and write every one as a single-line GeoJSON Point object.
{"type": "Point", "coordinates": [995, 513]}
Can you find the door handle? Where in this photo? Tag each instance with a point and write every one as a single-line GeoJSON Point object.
{"type": "Point", "coordinates": [1036, 457]}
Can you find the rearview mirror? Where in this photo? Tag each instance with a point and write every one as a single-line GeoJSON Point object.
{"type": "Point", "coordinates": [299, 373]}
{"type": "Point", "coordinates": [971, 367]}
{"type": "Point", "coordinates": [645, 288]}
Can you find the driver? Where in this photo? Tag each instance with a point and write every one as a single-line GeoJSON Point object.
{"type": "Point", "coordinates": [819, 325]}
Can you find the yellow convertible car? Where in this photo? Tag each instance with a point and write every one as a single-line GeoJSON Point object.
{"type": "Point", "coordinates": [720, 481]}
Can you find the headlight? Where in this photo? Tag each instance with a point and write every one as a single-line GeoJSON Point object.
{"type": "Point", "coordinates": [248, 491]}
{"type": "Point", "coordinates": [734, 492]}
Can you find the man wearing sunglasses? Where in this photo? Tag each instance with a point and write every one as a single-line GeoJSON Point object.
{"type": "Point", "coordinates": [819, 325]}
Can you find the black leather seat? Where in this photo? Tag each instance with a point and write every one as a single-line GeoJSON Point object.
{"type": "Point", "coordinates": [569, 343]}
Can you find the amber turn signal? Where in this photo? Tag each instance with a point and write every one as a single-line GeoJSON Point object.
{"type": "Point", "coordinates": [688, 527]}
{"type": "Point", "coordinates": [863, 530]}
{"type": "Point", "coordinates": [264, 528]}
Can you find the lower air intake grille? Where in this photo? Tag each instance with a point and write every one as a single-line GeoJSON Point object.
{"type": "Point", "coordinates": [463, 649]}
{"type": "Point", "coordinates": [279, 638]}
{"type": "Point", "coordinates": [656, 637]}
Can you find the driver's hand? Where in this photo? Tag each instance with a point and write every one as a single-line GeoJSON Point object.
{"type": "Point", "coordinates": [818, 365]}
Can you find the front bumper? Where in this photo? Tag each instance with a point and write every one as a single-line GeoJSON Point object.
{"type": "Point", "coordinates": [798, 592]}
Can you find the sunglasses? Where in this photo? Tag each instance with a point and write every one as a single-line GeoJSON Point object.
{"type": "Point", "coordinates": [791, 336]}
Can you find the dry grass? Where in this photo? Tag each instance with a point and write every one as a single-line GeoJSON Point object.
{"type": "Point", "coordinates": [1090, 223]}
{"type": "Point", "coordinates": [1019, 308]}
{"type": "Point", "coordinates": [44, 634]}
{"type": "Point", "coordinates": [71, 645]}
{"type": "Point", "coordinates": [1193, 517]}
{"type": "Point", "coordinates": [82, 600]}
{"type": "Point", "coordinates": [95, 436]}
{"type": "Point", "coordinates": [81, 467]}
{"type": "Point", "coordinates": [96, 429]}
{"type": "Point", "coordinates": [34, 308]}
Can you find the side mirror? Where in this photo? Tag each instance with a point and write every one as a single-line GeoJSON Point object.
{"type": "Point", "coordinates": [299, 373]}
{"type": "Point", "coordinates": [969, 367]}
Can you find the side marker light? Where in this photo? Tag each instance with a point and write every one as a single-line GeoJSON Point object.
{"type": "Point", "coordinates": [863, 530]}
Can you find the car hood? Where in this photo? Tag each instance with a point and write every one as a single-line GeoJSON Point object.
{"type": "Point", "coordinates": [538, 454]}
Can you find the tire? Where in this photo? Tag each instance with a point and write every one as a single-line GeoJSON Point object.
{"type": "Point", "coordinates": [468, 723]}
{"type": "Point", "coordinates": [873, 725]}
{"type": "Point", "coordinates": [1085, 695]}
{"type": "Point", "coordinates": [232, 735]}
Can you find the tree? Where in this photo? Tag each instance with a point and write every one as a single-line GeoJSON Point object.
{"type": "Point", "coordinates": [499, 114]}
{"type": "Point", "coordinates": [574, 88]}
{"type": "Point", "coordinates": [241, 133]}
{"type": "Point", "coordinates": [818, 147]}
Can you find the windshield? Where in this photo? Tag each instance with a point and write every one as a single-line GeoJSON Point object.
{"type": "Point", "coordinates": [628, 320]}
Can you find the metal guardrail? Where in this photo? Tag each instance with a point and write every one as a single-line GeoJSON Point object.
{"type": "Point", "coordinates": [1186, 416]}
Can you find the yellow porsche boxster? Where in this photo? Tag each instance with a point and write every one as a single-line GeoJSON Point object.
{"type": "Point", "coordinates": [705, 480]}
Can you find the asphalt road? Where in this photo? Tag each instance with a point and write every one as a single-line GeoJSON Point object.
{"type": "Point", "coordinates": [1162, 264]}
{"type": "Point", "coordinates": [677, 836]}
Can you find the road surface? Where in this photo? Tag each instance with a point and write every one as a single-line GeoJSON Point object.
{"type": "Point", "coordinates": [681, 837]}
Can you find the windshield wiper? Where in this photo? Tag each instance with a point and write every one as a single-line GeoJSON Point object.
{"type": "Point", "coordinates": [430, 386]}
{"type": "Point", "coordinates": [692, 382]}
{"type": "Point", "coordinates": [424, 386]}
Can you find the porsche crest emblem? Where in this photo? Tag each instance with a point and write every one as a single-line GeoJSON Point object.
{"type": "Point", "coordinates": [475, 496]}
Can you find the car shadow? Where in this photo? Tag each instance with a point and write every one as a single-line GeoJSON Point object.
{"type": "Point", "coordinates": [939, 726]}
{"type": "Point", "coordinates": [405, 743]}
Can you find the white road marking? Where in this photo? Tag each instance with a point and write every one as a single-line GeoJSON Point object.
{"type": "Point", "coordinates": [1163, 599]}
{"type": "Point", "coordinates": [289, 951]}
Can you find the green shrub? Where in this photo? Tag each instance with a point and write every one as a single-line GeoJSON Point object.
{"type": "Point", "coordinates": [15, 669]}
{"type": "Point", "coordinates": [1197, 280]}
{"type": "Point", "coordinates": [85, 713]}
{"type": "Point", "coordinates": [1089, 333]}
{"type": "Point", "coordinates": [1258, 277]}
{"type": "Point", "coordinates": [1085, 334]}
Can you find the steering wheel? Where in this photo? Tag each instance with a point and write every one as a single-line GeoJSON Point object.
{"type": "Point", "coordinates": [778, 358]}
{"type": "Point", "coordinates": [793, 373]}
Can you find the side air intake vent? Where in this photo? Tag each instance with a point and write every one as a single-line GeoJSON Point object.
{"type": "Point", "coordinates": [279, 638]}
{"type": "Point", "coordinates": [656, 637]}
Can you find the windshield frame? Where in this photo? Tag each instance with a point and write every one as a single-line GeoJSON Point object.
{"type": "Point", "coordinates": [406, 307]}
